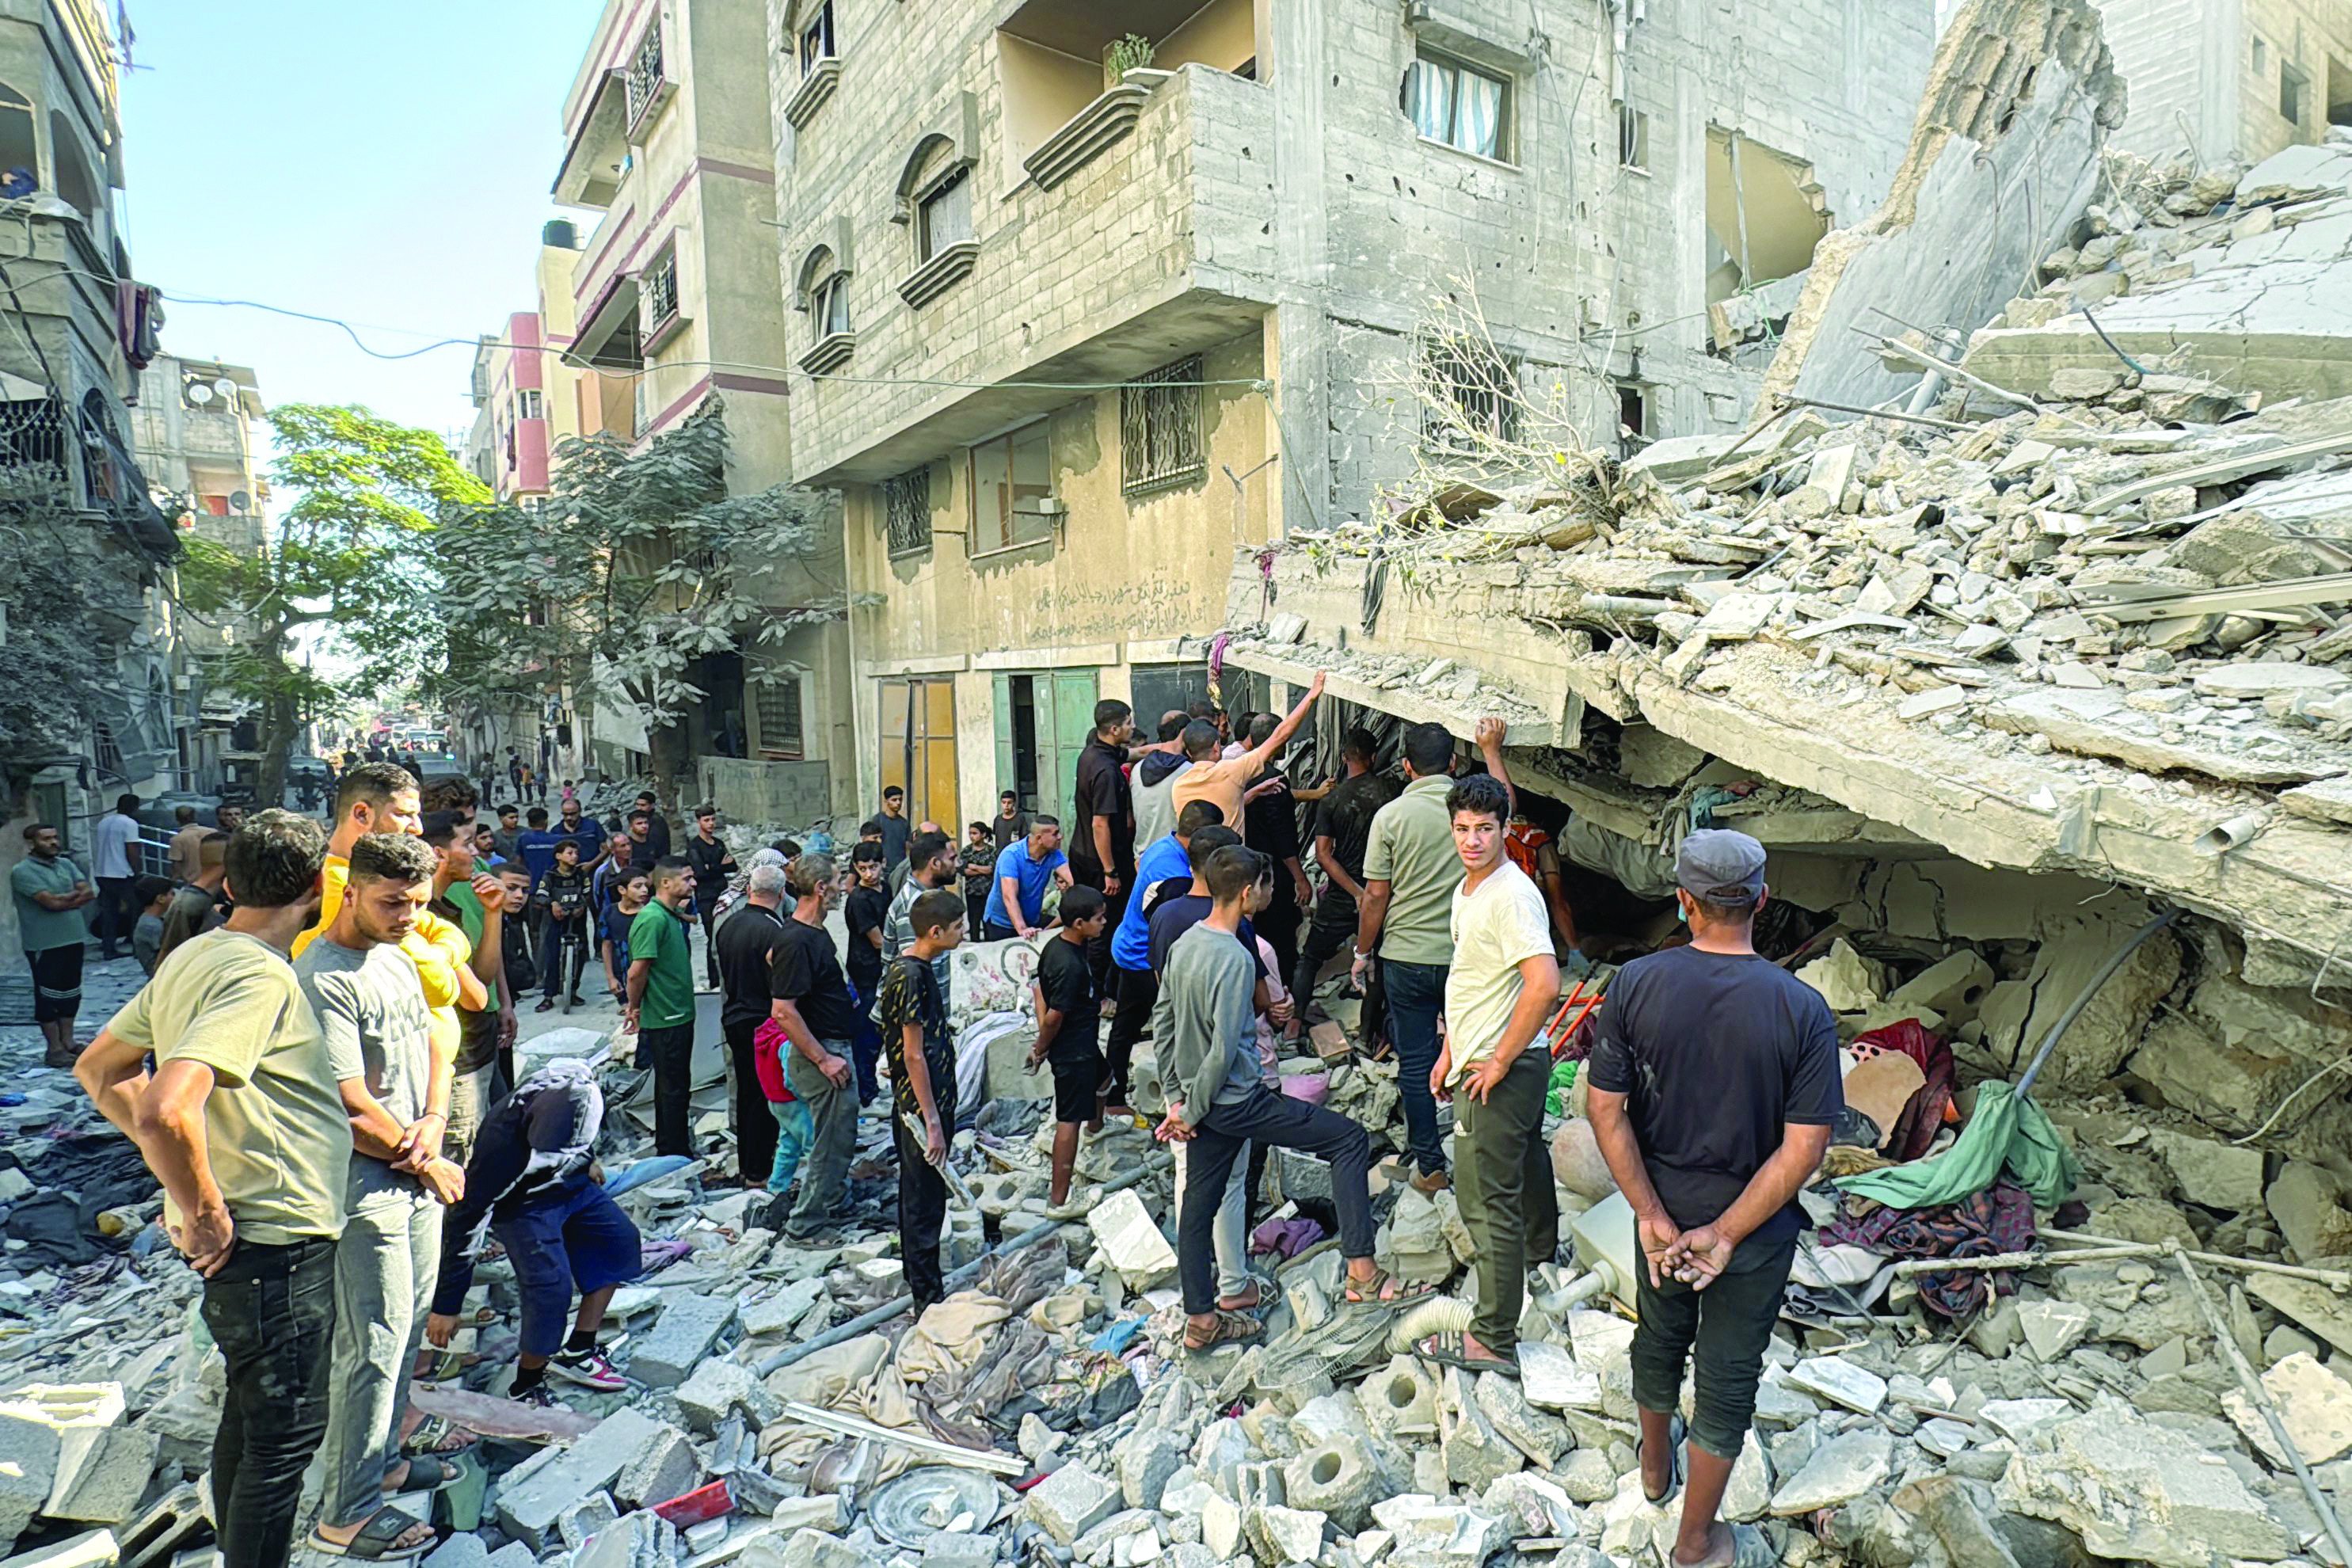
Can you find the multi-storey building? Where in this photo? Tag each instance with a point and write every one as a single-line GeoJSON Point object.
{"type": "Point", "coordinates": [1084, 297]}
{"type": "Point", "coordinates": [677, 302]}
{"type": "Point", "coordinates": [2220, 79]}
{"type": "Point", "coordinates": [79, 327]}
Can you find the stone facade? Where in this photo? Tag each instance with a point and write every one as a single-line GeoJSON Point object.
{"type": "Point", "coordinates": [2215, 78]}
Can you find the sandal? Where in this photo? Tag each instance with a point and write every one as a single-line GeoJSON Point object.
{"type": "Point", "coordinates": [1675, 1433]}
{"type": "Point", "coordinates": [433, 1436]}
{"type": "Point", "coordinates": [428, 1474]}
{"type": "Point", "coordinates": [1435, 1348]}
{"type": "Point", "coordinates": [1229, 1329]}
{"type": "Point", "coordinates": [1268, 1294]}
{"type": "Point", "coordinates": [1373, 1293]}
{"type": "Point", "coordinates": [443, 1366]}
{"type": "Point", "coordinates": [377, 1540]}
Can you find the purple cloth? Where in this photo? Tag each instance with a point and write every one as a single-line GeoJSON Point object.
{"type": "Point", "coordinates": [1998, 1219]}
{"type": "Point", "coordinates": [1289, 1236]}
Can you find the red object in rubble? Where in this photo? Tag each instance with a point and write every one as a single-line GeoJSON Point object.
{"type": "Point", "coordinates": [705, 1502]}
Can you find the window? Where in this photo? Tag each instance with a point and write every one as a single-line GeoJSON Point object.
{"type": "Point", "coordinates": [1160, 429]}
{"type": "Point", "coordinates": [657, 292]}
{"type": "Point", "coordinates": [1632, 418]}
{"type": "Point", "coordinates": [779, 709]}
{"type": "Point", "coordinates": [816, 39]}
{"type": "Point", "coordinates": [1011, 476]}
{"type": "Point", "coordinates": [945, 216]}
{"type": "Point", "coordinates": [1632, 137]}
{"type": "Point", "coordinates": [18, 149]}
{"type": "Point", "coordinates": [646, 78]}
{"type": "Point", "coordinates": [906, 510]}
{"type": "Point", "coordinates": [2262, 56]}
{"type": "Point", "coordinates": [1470, 394]}
{"type": "Point", "coordinates": [2292, 86]}
{"type": "Point", "coordinates": [829, 303]}
{"type": "Point", "coordinates": [1450, 103]}
{"type": "Point", "coordinates": [529, 404]}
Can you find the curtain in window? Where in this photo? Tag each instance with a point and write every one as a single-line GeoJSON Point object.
{"type": "Point", "coordinates": [1429, 98]}
{"type": "Point", "coordinates": [1479, 126]}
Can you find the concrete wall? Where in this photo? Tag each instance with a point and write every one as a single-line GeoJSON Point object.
{"type": "Point", "coordinates": [2198, 83]}
{"type": "Point", "coordinates": [790, 793]}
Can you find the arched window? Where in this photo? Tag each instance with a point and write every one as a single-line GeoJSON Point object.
{"type": "Point", "coordinates": [941, 194]}
{"type": "Point", "coordinates": [18, 147]}
{"type": "Point", "coordinates": [825, 287]}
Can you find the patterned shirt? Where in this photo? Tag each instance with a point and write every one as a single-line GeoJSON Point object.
{"type": "Point", "coordinates": [910, 995]}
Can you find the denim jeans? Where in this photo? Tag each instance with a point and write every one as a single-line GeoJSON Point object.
{"type": "Point", "coordinates": [1230, 1240]}
{"type": "Point", "coordinates": [794, 1135]}
{"type": "Point", "coordinates": [385, 1267]}
{"type": "Point", "coordinates": [1722, 1332]}
{"type": "Point", "coordinates": [1220, 1140]}
{"type": "Point", "coordinates": [271, 1310]}
{"type": "Point", "coordinates": [1416, 996]}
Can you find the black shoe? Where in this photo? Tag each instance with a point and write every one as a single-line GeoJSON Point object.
{"type": "Point", "coordinates": [574, 1001]}
{"type": "Point", "coordinates": [546, 1004]}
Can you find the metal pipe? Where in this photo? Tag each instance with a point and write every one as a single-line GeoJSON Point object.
{"type": "Point", "coordinates": [2074, 1009]}
{"type": "Point", "coordinates": [964, 1276]}
{"type": "Point", "coordinates": [2261, 1397]}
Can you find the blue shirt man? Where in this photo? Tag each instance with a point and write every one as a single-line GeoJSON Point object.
{"type": "Point", "coordinates": [1031, 864]}
{"type": "Point", "coordinates": [1131, 944]}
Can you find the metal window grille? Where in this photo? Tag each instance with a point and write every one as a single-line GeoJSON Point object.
{"type": "Point", "coordinates": [1160, 429]}
{"type": "Point", "coordinates": [658, 289]}
{"type": "Point", "coordinates": [33, 435]}
{"type": "Point", "coordinates": [780, 716]}
{"type": "Point", "coordinates": [906, 510]}
{"type": "Point", "coordinates": [1470, 396]}
{"type": "Point", "coordinates": [644, 72]}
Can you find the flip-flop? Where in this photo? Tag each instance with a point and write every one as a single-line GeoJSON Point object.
{"type": "Point", "coordinates": [1363, 1295]}
{"type": "Point", "coordinates": [1435, 1348]}
{"type": "Point", "coordinates": [1749, 1550]}
{"type": "Point", "coordinates": [1676, 1435]}
{"type": "Point", "coordinates": [432, 1437]}
{"type": "Point", "coordinates": [1232, 1329]}
{"type": "Point", "coordinates": [429, 1473]}
{"type": "Point", "coordinates": [445, 1365]}
{"type": "Point", "coordinates": [373, 1543]}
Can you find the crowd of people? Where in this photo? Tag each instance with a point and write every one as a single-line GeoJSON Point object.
{"type": "Point", "coordinates": [321, 1070]}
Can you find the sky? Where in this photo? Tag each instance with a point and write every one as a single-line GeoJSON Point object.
{"type": "Point", "coordinates": [384, 165]}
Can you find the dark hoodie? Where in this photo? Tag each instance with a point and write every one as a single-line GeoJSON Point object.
{"type": "Point", "coordinates": [1154, 780]}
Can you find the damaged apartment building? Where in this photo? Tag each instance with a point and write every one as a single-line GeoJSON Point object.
{"type": "Point", "coordinates": [2051, 646]}
{"type": "Point", "coordinates": [1082, 298]}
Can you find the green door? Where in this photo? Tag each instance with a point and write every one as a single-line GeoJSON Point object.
{"type": "Point", "coordinates": [1073, 721]}
{"type": "Point", "coordinates": [1062, 714]}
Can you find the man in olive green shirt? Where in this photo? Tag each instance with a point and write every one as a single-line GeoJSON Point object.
{"type": "Point", "coordinates": [244, 1124]}
{"type": "Point", "coordinates": [661, 1001]}
{"type": "Point", "coordinates": [1411, 869]}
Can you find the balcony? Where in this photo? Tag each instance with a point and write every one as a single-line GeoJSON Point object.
{"type": "Point", "coordinates": [598, 153]}
{"type": "Point", "coordinates": [1161, 243]}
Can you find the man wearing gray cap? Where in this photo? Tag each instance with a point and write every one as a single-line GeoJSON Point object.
{"type": "Point", "coordinates": [1714, 1081]}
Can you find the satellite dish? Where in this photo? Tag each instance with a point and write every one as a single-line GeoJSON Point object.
{"type": "Point", "coordinates": [226, 388]}
{"type": "Point", "coordinates": [239, 501]}
{"type": "Point", "coordinates": [199, 394]}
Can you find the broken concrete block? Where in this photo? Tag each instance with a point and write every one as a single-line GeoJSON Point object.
{"type": "Point", "coordinates": [1840, 1382]}
{"type": "Point", "coordinates": [1147, 1459]}
{"type": "Point", "coordinates": [1335, 1478]}
{"type": "Point", "coordinates": [1221, 1526]}
{"type": "Point", "coordinates": [1426, 1533]}
{"type": "Point", "coordinates": [1400, 1398]}
{"type": "Point", "coordinates": [1132, 1240]}
{"type": "Point", "coordinates": [809, 1549]}
{"type": "Point", "coordinates": [28, 1469]}
{"type": "Point", "coordinates": [1840, 1471]}
{"type": "Point", "coordinates": [1539, 1435]}
{"type": "Point", "coordinates": [1476, 1453]}
{"type": "Point", "coordinates": [91, 1548]}
{"type": "Point", "coordinates": [1549, 1377]}
{"type": "Point", "coordinates": [1285, 1535]}
{"type": "Point", "coordinates": [528, 1512]}
{"type": "Point", "coordinates": [2314, 1403]}
{"type": "Point", "coordinates": [2216, 1174]}
{"type": "Point", "coordinates": [1848, 982]}
{"type": "Point", "coordinates": [2052, 1328]}
{"type": "Point", "coordinates": [2306, 1202]}
{"type": "Point", "coordinates": [1071, 1502]}
{"type": "Point", "coordinates": [1748, 1496]}
{"type": "Point", "coordinates": [1955, 986]}
{"type": "Point", "coordinates": [1587, 1476]}
{"type": "Point", "coordinates": [102, 1475]}
{"type": "Point", "coordinates": [579, 1521]}
{"type": "Point", "coordinates": [664, 1467]}
{"type": "Point", "coordinates": [2134, 1490]}
{"type": "Point", "coordinates": [958, 1549]}
{"type": "Point", "coordinates": [1929, 703]}
{"type": "Point", "coordinates": [687, 1332]}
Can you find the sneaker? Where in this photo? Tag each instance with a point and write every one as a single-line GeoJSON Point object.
{"type": "Point", "coordinates": [587, 1368]}
{"type": "Point", "coordinates": [541, 1398]}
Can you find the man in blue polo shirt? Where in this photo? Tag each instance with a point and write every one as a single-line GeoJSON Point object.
{"type": "Point", "coordinates": [1016, 903]}
{"type": "Point", "coordinates": [536, 845]}
{"type": "Point", "coordinates": [1168, 859]}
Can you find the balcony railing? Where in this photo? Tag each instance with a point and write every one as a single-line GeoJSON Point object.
{"type": "Point", "coordinates": [649, 84]}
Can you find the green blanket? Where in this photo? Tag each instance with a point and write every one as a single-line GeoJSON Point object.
{"type": "Point", "coordinates": [2006, 1130]}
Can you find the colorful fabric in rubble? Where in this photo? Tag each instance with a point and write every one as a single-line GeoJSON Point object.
{"type": "Point", "coordinates": [2007, 1132]}
{"type": "Point", "coordinates": [1998, 1219]}
{"type": "Point", "coordinates": [1923, 1118]}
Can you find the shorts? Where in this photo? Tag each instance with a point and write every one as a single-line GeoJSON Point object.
{"type": "Point", "coordinates": [57, 982]}
{"type": "Point", "coordinates": [579, 1242]}
{"type": "Point", "coordinates": [1077, 1087]}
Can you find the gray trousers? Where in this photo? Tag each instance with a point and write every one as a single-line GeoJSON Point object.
{"type": "Point", "coordinates": [385, 1268]}
{"type": "Point", "coordinates": [833, 1112]}
{"type": "Point", "coordinates": [1231, 1238]}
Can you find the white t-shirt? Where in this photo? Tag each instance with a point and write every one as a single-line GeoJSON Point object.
{"type": "Point", "coordinates": [111, 853]}
{"type": "Point", "coordinates": [1495, 929]}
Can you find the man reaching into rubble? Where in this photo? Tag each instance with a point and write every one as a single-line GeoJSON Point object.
{"type": "Point", "coordinates": [241, 1123]}
{"type": "Point", "coordinates": [1206, 1027]}
{"type": "Point", "coordinates": [1411, 870]}
{"type": "Point", "coordinates": [913, 1012]}
{"type": "Point", "coordinates": [1216, 777]}
{"type": "Point", "coordinates": [1502, 985]}
{"type": "Point", "coordinates": [1714, 1084]}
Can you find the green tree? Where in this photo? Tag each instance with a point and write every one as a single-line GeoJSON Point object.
{"type": "Point", "coordinates": [351, 557]}
{"type": "Point", "coordinates": [635, 566]}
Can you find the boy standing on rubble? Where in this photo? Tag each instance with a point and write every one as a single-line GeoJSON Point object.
{"type": "Point", "coordinates": [1714, 1084]}
{"type": "Point", "coordinates": [920, 1051]}
{"type": "Point", "coordinates": [1206, 1025]}
{"type": "Point", "coordinates": [531, 1183]}
{"type": "Point", "coordinates": [1069, 1016]}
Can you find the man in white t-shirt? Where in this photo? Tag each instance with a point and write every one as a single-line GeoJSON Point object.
{"type": "Point", "coordinates": [114, 861]}
{"type": "Point", "coordinates": [1501, 985]}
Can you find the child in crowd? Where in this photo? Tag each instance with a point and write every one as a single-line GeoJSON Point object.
{"type": "Point", "coordinates": [976, 861]}
{"type": "Point", "coordinates": [1069, 1016]}
{"type": "Point", "coordinates": [153, 895]}
{"type": "Point", "coordinates": [921, 1054]}
{"type": "Point", "coordinates": [635, 891]}
{"type": "Point", "coordinates": [532, 1182]}
{"type": "Point", "coordinates": [795, 1128]}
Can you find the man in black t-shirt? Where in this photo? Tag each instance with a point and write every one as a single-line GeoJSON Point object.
{"type": "Point", "coordinates": [810, 1001]}
{"type": "Point", "coordinates": [867, 916]}
{"type": "Point", "coordinates": [1068, 1002]}
{"type": "Point", "coordinates": [1270, 826]}
{"type": "Point", "coordinates": [1343, 823]}
{"type": "Point", "coordinates": [1102, 833]}
{"type": "Point", "coordinates": [707, 856]}
{"type": "Point", "coordinates": [1714, 1082]}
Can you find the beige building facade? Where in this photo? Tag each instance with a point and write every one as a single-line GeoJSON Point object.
{"type": "Point", "coordinates": [673, 303]}
{"type": "Point", "coordinates": [2222, 79]}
